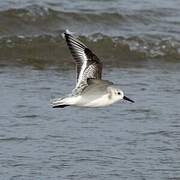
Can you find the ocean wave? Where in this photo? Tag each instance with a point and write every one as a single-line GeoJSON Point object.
{"type": "Point", "coordinates": [48, 50]}
{"type": "Point", "coordinates": [36, 20]}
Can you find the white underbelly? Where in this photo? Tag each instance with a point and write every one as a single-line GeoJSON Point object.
{"type": "Point", "coordinates": [99, 102]}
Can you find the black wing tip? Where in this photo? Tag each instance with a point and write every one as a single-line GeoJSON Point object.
{"type": "Point", "coordinates": [66, 36]}
{"type": "Point", "coordinates": [60, 106]}
{"type": "Point", "coordinates": [67, 33]}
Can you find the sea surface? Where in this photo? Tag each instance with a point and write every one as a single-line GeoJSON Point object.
{"type": "Point", "coordinates": [139, 43]}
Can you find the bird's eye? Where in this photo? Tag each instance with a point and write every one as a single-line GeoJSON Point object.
{"type": "Point", "coordinates": [119, 93]}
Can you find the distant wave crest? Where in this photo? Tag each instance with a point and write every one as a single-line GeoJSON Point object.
{"type": "Point", "coordinates": [52, 50]}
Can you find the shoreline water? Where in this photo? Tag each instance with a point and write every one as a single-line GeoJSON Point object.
{"type": "Point", "coordinates": [138, 42]}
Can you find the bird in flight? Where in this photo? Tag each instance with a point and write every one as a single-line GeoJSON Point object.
{"type": "Point", "coordinates": [90, 89]}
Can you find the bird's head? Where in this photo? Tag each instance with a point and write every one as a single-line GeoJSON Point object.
{"type": "Point", "coordinates": [117, 94]}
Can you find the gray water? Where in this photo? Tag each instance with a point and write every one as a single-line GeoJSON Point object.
{"type": "Point", "coordinates": [139, 43]}
{"type": "Point", "coordinates": [123, 141]}
{"type": "Point", "coordinates": [112, 18]}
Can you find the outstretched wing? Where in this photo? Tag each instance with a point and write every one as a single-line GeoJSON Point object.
{"type": "Point", "coordinates": [87, 63]}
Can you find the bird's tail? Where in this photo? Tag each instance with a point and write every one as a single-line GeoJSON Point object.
{"type": "Point", "coordinates": [59, 103]}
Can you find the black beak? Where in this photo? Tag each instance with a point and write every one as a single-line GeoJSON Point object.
{"type": "Point", "coordinates": [127, 99]}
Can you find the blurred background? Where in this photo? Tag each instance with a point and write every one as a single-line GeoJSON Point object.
{"type": "Point", "coordinates": [139, 44]}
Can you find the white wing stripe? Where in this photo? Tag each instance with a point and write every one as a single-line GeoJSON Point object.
{"type": "Point", "coordinates": [81, 73]}
{"type": "Point", "coordinates": [87, 64]}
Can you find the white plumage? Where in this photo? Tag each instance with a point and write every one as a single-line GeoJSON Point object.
{"type": "Point", "coordinates": [90, 90]}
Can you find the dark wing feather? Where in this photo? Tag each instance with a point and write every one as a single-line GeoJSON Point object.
{"type": "Point", "coordinates": [87, 63]}
{"type": "Point", "coordinates": [77, 50]}
{"type": "Point", "coordinates": [94, 67]}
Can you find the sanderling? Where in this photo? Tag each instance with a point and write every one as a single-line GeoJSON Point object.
{"type": "Point", "coordinates": [90, 90]}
